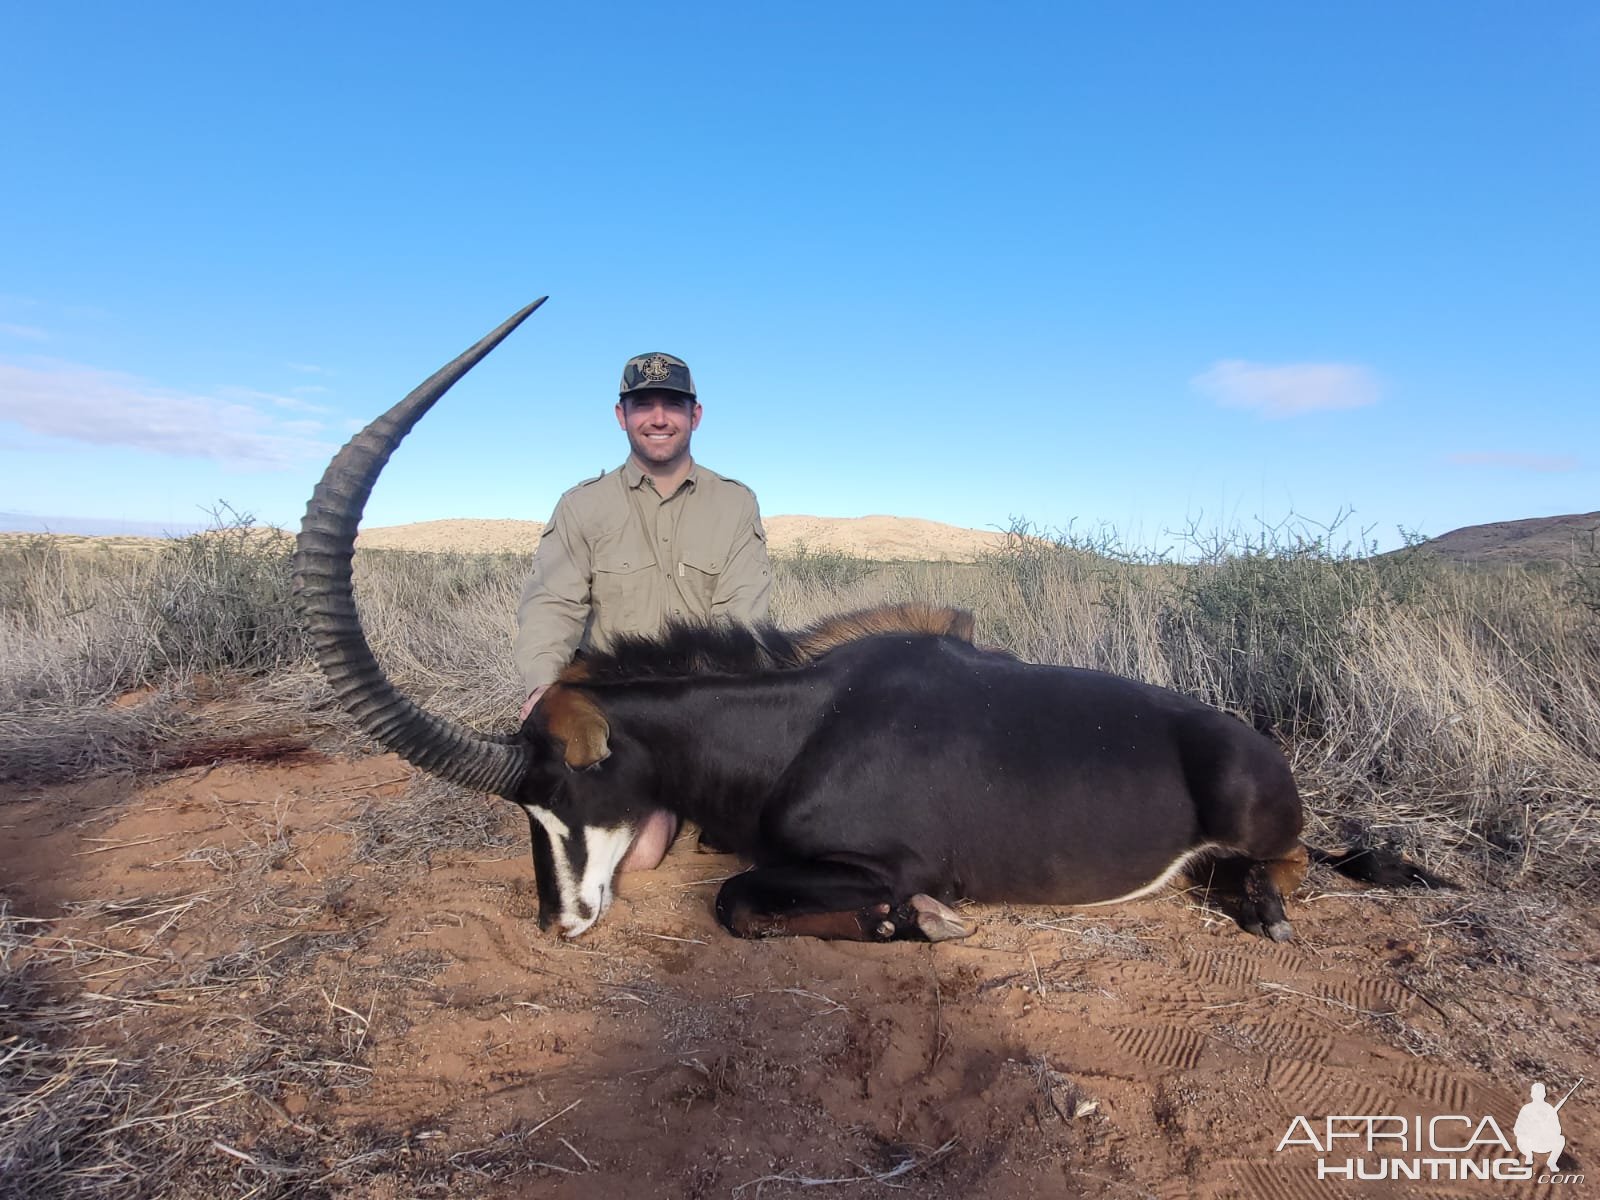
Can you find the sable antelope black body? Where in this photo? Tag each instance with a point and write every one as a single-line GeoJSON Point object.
{"type": "Point", "coordinates": [905, 765]}
{"type": "Point", "coordinates": [875, 768]}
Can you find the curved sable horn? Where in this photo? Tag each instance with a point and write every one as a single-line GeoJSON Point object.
{"type": "Point", "coordinates": [489, 763]}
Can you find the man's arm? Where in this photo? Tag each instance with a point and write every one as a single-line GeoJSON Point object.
{"type": "Point", "coordinates": [745, 585]}
{"type": "Point", "coordinates": [555, 601]}
{"type": "Point", "coordinates": [533, 698]}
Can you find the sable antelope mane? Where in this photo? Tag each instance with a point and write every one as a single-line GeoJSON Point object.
{"type": "Point", "coordinates": [572, 714]}
{"type": "Point", "coordinates": [687, 648]}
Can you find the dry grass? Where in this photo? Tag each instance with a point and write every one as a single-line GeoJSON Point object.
{"type": "Point", "coordinates": [433, 816]}
{"type": "Point", "coordinates": [105, 656]}
{"type": "Point", "coordinates": [198, 1114]}
{"type": "Point", "coordinates": [1452, 713]}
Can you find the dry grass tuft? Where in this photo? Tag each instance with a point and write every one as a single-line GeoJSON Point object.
{"type": "Point", "coordinates": [432, 816]}
{"type": "Point", "coordinates": [201, 1112]}
{"type": "Point", "coordinates": [74, 1117]}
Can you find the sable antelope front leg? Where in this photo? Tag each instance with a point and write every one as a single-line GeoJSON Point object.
{"type": "Point", "coordinates": [830, 900]}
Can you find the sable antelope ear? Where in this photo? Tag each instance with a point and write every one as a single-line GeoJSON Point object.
{"type": "Point", "coordinates": [577, 721]}
{"type": "Point", "coordinates": [961, 625]}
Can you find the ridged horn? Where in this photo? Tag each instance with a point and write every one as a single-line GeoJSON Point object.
{"type": "Point", "coordinates": [486, 762]}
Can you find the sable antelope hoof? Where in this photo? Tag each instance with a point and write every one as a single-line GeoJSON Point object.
{"type": "Point", "coordinates": [938, 922]}
{"type": "Point", "coordinates": [1277, 931]}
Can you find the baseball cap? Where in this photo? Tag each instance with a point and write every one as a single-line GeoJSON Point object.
{"type": "Point", "coordinates": [656, 372]}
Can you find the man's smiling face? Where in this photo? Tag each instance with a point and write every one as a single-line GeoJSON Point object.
{"type": "Point", "coordinates": [658, 425]}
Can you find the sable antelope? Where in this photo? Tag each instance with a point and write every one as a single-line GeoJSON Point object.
{"type": "Point", "coordinates": [875, 768]}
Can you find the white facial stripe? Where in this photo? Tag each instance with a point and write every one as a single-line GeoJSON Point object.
{"type": "Point", "coordinates": [603, 852]}
{"type": "Point", "coordinates": [605, 849]}
{"type": "Point", "coordinates": [554, 825]}
{"type": "Point", "coordinates": [559, 833]}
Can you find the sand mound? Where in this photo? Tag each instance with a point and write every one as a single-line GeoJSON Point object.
{"type": "Point", "coordinates": [455, 536]}
{"type": "Point", "coordinates": [877, 537]}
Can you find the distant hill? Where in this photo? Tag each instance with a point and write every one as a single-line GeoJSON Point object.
{"type": "Point", "coordinates": [882, 538]}
{"type": "Point", "coordinates": [1535, 540]}
{"type": "Point", "coordinates": [905, 539]}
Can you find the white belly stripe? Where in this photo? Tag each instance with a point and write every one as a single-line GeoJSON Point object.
{"type": "Point", "coordinates": [1161, 880]}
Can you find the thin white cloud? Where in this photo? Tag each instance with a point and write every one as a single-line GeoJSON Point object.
{"type": "Point", "coordinates": [105, 408]}
{"type": "Point", "coordinates": [1287, 389]}
{"type": "Point", "coordinates": [293, 403]}
{"type": "Point", "coordinates": [307, 368]}
{"type": "Point", "coordinates": [28, 333]}
{"type": "Point", "coordinates": [1549, 464]}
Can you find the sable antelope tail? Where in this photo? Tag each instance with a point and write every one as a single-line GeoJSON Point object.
{"type": "Point", "coordinates": [1381, 868]}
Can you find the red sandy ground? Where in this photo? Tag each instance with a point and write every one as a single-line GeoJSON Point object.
{"type": "Point", "coordinates": [1146, 1050]}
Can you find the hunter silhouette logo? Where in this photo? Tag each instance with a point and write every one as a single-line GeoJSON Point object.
{"type": "Point", "coordinates": [1538, 1127]}
{"type": "Point", "coordinates": [1450, 1146]}
{"type": "Point", "coordinates": [655, 368]}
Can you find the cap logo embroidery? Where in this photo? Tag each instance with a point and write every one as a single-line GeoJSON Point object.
{"type": "Point", "coordinates": [655, 368]}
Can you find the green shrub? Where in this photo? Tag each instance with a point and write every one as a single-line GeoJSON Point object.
{"type": "Point", "coordinates": [821, 568]}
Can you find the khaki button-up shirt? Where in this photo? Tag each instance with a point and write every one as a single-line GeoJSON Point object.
{"type": "Point", "coordinates": [618, 558]}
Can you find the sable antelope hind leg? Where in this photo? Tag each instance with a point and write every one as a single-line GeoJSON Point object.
{"type": "Point", "coordinates": [830, 900]}
{"type": "Point", "coordinates": [1251, 890]}
{"type": "Point", "coordinates": [1264, 902]}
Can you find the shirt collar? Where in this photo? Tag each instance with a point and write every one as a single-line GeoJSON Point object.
{"type": "Point", "coordinates": [633, 475]}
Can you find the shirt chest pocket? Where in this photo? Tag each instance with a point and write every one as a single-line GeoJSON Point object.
{"type": "Point", "coordinates": [699, 572]}
{"type": "Point", "coordinates": [622, 589]}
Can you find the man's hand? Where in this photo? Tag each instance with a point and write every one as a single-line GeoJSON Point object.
{"type": "Point", "coordinates": [533, 698]}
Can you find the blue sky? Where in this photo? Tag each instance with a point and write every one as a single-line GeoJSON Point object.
{"type": "Point", "coordinates": [1148, 265]}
